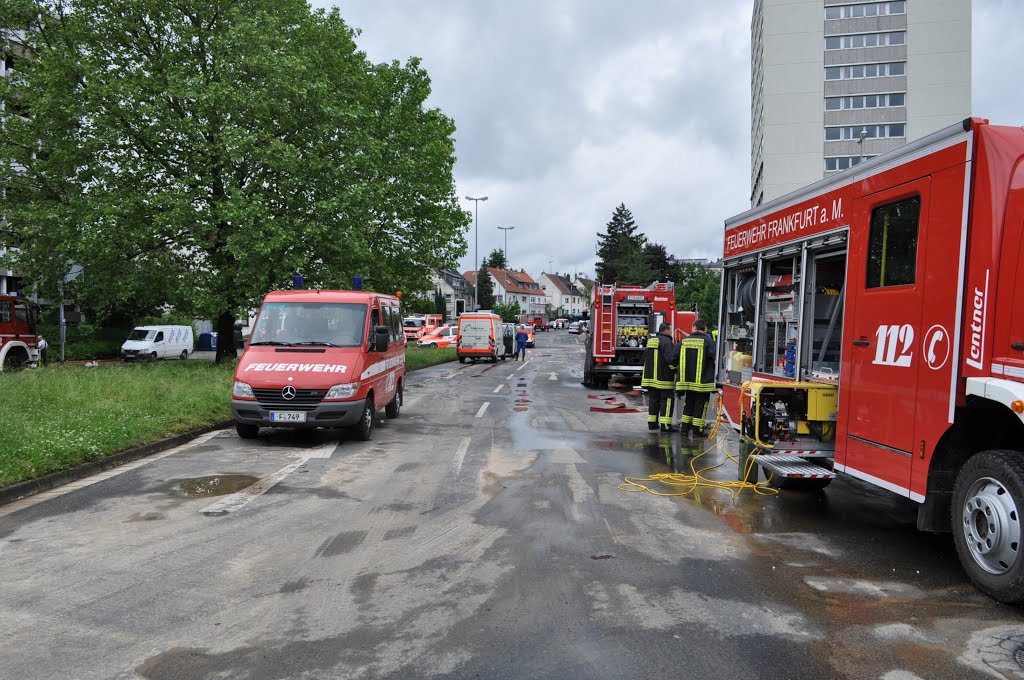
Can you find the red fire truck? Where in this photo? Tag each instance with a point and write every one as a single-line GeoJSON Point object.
{"type": "Point", "coordinates": [872, 324]}
{"type": "Point", "coordinates": [17, 332]}
{"type": "Point", "coordinates": [621, 320]}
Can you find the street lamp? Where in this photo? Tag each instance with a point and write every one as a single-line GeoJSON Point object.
{"type": "Point", "coordinates": [860, 142]}
{"type": "Point", "coordinates": [508, 262]}
{"type": "Point", "coordinates": [476, 244]}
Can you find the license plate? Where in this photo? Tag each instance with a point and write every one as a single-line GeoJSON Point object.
{"type": "Point", "coordinates": [287, 417]}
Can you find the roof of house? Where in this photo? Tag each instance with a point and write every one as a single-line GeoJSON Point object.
{"type": "Point", "coordinates": [586, 282]}
{"type": "Point", "coordinates": [516, 282]}
{"type": "Point", "coordinates": [562, 283]}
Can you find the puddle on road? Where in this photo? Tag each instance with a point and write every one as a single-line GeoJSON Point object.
{"type": "Point", "coordinates": [521, 408]}
{"type": "Point", "coordinates": [205, 487]}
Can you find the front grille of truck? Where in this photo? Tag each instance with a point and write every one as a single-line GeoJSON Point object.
{"type": "Point", "coordinates": [305, 400]}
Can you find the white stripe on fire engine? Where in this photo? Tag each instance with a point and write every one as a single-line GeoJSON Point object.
{"type": "Point", "coordinates": [998, 369]}
{"type": "Point", "coordinates": [961, 281]}
{"type": "Point", "coordinates": [1013, 371]}
{"type": "Point", "coordinates": [889, 486]}
{"type": "Point", "coordinates": [382, 366]}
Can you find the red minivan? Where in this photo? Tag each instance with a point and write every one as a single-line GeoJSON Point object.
{"type": "Point", "coordinates": [321, 358]}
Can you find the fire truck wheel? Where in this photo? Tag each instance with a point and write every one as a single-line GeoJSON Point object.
{"type": "Point", "coordinates": [246, 431]}
{"type": "Point", "coordinates": [364, 429]}
{"type": "Point", "coordinates": [15, 360]}
{"type": "Point", "coordinates": [987, 502]}
{"type": "Point", "coordinates": [462, 360]}
{"type": "Point", "coordinates": [395, 406]}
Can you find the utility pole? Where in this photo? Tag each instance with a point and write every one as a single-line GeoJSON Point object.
{"type": "Point", "coordinates": [476, 246]}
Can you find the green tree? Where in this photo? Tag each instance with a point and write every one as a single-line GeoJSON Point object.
{"type": "Point", "coordinates": [497, 259]}
{"type": "Point", "coordinates": [617, 248]}
{"type": "Point", "coordinates": [658, 262]}
{"type": "Point", "coordinates": [485, 288]}
{"type": "Point", "coordinates": [440, 305]}
{"type": "Point", "coordinates": [509, 313]}
{"type": "Point", "coordinates": [203, 151]}
{"type": "Point", "coordinates": [701, 286]}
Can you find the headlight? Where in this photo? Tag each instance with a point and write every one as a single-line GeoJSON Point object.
{"type": "Point", "coordinates": [242, 390]}
{"type": "Point", "coordinates": [342, 391]}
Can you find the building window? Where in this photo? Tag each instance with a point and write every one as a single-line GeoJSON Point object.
{"type": "Point", "coordinates": [865, 71]}
{"type": "Point", "coordinates": [837, 163]}
{"type": "Point", "coordinates": [835, 134]}
{"type": "Point", "coordinates": [892, 244]}
{"type": "Point", "coordinates": [858, 40]}
{"type": "Point", "coordinates": [870, 9]}
{"type": "Point", "coordinates": [866, 101]}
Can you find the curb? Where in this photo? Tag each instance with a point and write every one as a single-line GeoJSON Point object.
{"type": "Point", "coordinates": [31, 487]}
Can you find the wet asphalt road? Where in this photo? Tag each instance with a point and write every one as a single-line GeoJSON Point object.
{"type": "Point", "coordinates": [467, 541]}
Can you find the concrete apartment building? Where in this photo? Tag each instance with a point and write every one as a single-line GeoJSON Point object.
{"type": "Point", "coordinates": [837, 81]}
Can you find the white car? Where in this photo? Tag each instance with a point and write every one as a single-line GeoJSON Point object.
{"type": "Point", "coordinates": [575, 328]}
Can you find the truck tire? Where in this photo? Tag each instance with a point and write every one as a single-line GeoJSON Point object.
{"type": "Point", "coordinates": [987, 501]}
{"type": "Point", "coordinates": [15, 360]}
{"type": "Point", "coordinates": [588, 368]}
{"type": "Point", "coordinates": [462, 360]}
{"type": "Point", "coordinates": [184, 354]}
{"type": "Point", "coordinates": [394, 408]}
{"type": "Point", "coordinates": [247, 431]}
{"type": "Point", "coordinates": [363, 430]}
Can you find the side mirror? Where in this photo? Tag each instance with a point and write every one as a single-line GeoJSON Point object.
{"type": "Point", "coordinates": [380, 339]}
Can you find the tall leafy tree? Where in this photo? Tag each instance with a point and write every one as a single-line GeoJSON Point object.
{"type": "Point", "coordinates": [497, 259]}
{"type": "Point", "coordinates": [618, 246]}
{"type": "Point", "coordinates": [657, 260]}
{"type": "Point", "coordinates": [485, 288]}
{"type": "Point", "coordinates": [700, 286]}
{"type": "Point", "coordinates": [509, 313]}
{"type": "Point", "coordinates": [203, 151]}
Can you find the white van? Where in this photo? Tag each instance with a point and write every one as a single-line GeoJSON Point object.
{"type": "Point", "coordinates": [158, 342]}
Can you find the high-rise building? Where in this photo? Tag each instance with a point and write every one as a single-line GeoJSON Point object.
{"type": "Point", "coordinates": [834, 82]}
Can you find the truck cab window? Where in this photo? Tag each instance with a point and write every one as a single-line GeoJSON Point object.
{"type": "Point", "coordinates": [159, 337]}
{"type": "Point", "coordinates": [892, 244]}
{"type": "Point", "coordinates": [20, 311]}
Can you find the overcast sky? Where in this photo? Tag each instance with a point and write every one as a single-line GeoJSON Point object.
{"type": "Point", "coordinates": [566, 108]}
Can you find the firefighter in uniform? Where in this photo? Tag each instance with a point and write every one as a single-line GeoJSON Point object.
{"type": "Point", "coordinates": [696, 379]}
{"type": "Point", "coordinates": [659, 378]}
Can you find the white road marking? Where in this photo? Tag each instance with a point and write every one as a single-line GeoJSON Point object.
{"type": "Point", "coordinates": [320, 452]}
{"type": "Point", "coordinates": [460, 454]}
{"type": "Point", "coordinates": [42, 496]}
{"type": "Point", "coordinates": [483, 407]}
{"type": "Point", "coordinates": [523, 366]}
{"type": "Point", "coordinates": [498, 389]}
{"type": "Point", "coordinates": [553, 376]}
{"type": "Point", "coordinates": [237, 501]}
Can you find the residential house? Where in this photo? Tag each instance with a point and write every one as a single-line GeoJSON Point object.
{"type": "Point", "coordinates": [457, 291]}
{"type": "Point", "coordinates": [512, 286]}
{"type": "Point", "coordinates": [562, 294]}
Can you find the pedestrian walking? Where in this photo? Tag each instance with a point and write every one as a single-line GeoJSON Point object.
{"type": "Point", "coordinates": [658, 378]}
{"type": "Point", "coordinates": [696, 378]}
{"type": "Point", "coordinates": [42, 345]}
{"type": "Point", "coordinates": [521, 338]}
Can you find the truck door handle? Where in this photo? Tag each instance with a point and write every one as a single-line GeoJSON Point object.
{"type": "Point", "coordinates": [1019, 346]}
{"type": "Point", "coordinates": [861, 343]}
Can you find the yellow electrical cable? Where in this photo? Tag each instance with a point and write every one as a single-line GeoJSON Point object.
{"type": "Point", "coordinates": [696, 479]}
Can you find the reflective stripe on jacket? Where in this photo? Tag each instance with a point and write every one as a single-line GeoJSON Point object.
{"type": "Point", "coordinates": [659, 363]}
{"type": "Point", "coordinates": [696, 364]}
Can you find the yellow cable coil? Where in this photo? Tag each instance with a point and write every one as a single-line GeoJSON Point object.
{"type": "Point", "coordinates": [687, 483]}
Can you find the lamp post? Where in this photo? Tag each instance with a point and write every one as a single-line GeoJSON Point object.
{"type": "Point", "coordinates": [508, 262]}
{"type": "Point", "coordinates": [476, 244]}
{"type": "Point", "coordinates": [860, 142]}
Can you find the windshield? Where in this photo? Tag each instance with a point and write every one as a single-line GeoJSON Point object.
{"type": "Point", "coordinates": [413, 323]}
{"type": "Point", "coordinates": [141, 334]}
{"type": "Point", "coordinates": [330, 324]}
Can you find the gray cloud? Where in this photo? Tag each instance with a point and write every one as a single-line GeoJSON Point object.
{"type": "Point", "coordinates": [566, 108]}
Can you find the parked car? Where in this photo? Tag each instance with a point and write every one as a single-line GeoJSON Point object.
{"type": "Point", "coordinates": [479, 337]}
{"type": "Point", "coordinates": [442, 337]}
{"type": "Point", "coordinates": [158, 342]}
{"type": "Point", "coordinates": [575, 328]}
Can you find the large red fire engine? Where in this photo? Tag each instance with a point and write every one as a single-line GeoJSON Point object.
{"type": "Point", "coordinates": [873, 324]}
{"type": "Point", "coordinates": [17, 332]}
{"type": "Point", "coordinates": [621, 320]}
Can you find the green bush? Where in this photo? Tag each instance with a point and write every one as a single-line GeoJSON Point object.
{"type": "Point", "coordinates": [84, 341]}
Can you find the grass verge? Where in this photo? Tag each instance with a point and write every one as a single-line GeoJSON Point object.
{"type": "Point", "coordinates": [421, 357]}
{"type": "Point", "coordinates": [54, 418]}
